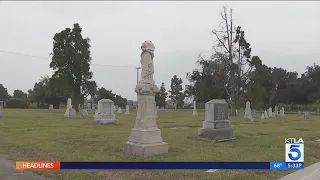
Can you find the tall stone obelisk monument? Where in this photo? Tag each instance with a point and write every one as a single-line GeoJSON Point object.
{"type": "Point", "coordinates": [145, 139]}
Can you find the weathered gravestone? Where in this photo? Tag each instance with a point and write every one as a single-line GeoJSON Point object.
{"type": "Point", "coordinates": [306, 115]}
{"type": "Point", "coordinates": [266, 114]}
{"type": "Point", "coordinates": [97, 110]}
{"type": "Point", "coordinates": [194, 111]}
{"type": "Point", "coordinates": [84, 113]}
{"type": "Point", "coordinates": [247, 112]}
{"type": "Point", "coordinates": [270, 113]}
{"type": "Point", "coordinates": [95, 116]}
{"type": "Point", "coordinates": [51, 106]}
{"type": "Point", "coordinates": [119, 110]}
{"type": "Point", "coordinates": [216, 125]}
{"type": "Point", "coordinates": [157, 107]}
{"type": "Point", "coordinates": [262, 116]}
{"type": "Point", "coordinates": [89, 106]}
{"type": "Point", "coordinates": [145, 138]}
{"type": "Point", "coordinates": [69, 108]}
{"type": "Point", "coordinates": [105, 114]}
{"type": "Point", "coordinates": [72, 113]}
{"type": "Point", "coordinates": [282, 112]}
{"type": "Point", "coordinates": [127, 109]}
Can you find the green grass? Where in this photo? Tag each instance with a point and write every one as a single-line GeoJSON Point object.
{"type": "Point", "coordinates": [46, 135]}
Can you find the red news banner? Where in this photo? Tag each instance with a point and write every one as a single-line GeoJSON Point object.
{"type": "Point", "coordinates": [35, 165]}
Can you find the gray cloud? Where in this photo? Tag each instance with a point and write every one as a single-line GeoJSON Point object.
{"type": "Point", "coordinates": [283, 34]}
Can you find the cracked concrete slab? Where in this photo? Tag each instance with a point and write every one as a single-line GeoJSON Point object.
{"type": "Point", "coordinates": [8, 171]}
{"type": "Point", "coordinates": [309, 173]}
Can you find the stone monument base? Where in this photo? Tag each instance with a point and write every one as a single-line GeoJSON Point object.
{"type": "Point", "coordinates": [70, 113]}
{"type": "Point", "coordinates": [145, 150]}
{"type": "Point", "coordinates": [248, 119]}
{"type": "Point", "coordinates": [66, 114]}
{"type": "Point", "coordinates": [145, 143]}
{"type": "Point", "coordinates": [224, 134]}
{"type": "Point", "coordinates": [195, 112]}
{"type": "Point", "coordinates": [104, 121]}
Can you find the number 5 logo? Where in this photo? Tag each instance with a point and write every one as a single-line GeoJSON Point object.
{"type": "Point", "coordinates": [294, 148]}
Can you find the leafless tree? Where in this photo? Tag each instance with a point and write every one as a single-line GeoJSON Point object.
{"type": "Point", "coordinates": [234, 51]}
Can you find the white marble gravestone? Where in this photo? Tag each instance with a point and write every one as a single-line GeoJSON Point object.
{"type": "Point", "coordinates": [51, 106]}
{"type": "Point", "coordinates": [266, 114]}
{"type": "Point", "coordinates": [98, 107]}
{"type": "Point", "coordinates": [95, 116]}
{"type": "Point", "coordinates": [69, 103]}
{"type": "Point", "coordinates": [105, 114]}
{"type": "Point", "coordinates": [216, 125]}
{"type": "Point", "coordinates": [236, 111]}
{"type": "Point", "coordinates": [276, 111]}
{"type": "Point", "coordinates": [194, 111]}
{"type": "Point", "coordinates": [127, 109]}
{"type": "Point", "coordinates": [96, 112]}
{"type": "Point", "coordinates": [157, 107]}
{"type": "Point", "coordinates": [89, 106]}
{"type": "Point", "coordinates": [306, 115]}
{"type": "Point", "coordinates": [262, 116]}
{"type": "Point", "coordinates": [247, 112]}
{"type": "Point", "coordinates": [119, 110]}
{"type": "Point", "coordinates": [145, 139]}
{"type": "Point", "coordinates": [282, 112]}
{"type": "Point", "coordinates": [270, 113]}
{"type": "Point", "coordinates": [84, 113]}
{"type": "Point", "coordinates": [69, 108]}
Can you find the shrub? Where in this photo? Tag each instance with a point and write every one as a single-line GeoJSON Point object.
{"type": "Point", "coordinates": [17, 103]}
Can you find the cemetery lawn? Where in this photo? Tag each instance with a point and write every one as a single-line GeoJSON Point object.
{"type": "Point", "coordinates": [39, 135]}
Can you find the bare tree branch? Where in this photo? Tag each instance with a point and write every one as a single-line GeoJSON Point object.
{"type": "Point", "coordinates": [245, 74]}
{"type": "Point", "coordinates": [227, 90]}
{"type": "Point", "coordinates": [222, 43]}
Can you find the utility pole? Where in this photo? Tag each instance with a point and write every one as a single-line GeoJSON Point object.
{"type": "Point", "coordinates": [138, 74]}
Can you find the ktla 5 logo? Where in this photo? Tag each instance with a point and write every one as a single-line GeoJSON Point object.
{"type": "Point", "coordinates": [294, 150]}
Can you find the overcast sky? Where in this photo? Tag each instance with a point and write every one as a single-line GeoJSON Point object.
{"type": "Point", "coordinates": [282, 34]}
